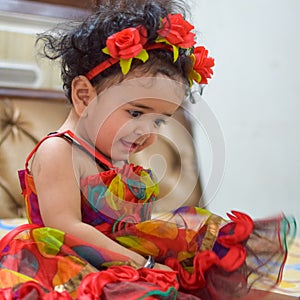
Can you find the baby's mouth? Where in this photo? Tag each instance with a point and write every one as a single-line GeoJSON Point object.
{"type": "Point", "coordinates": [133, 147]}
{"type": "Point", "coordinates": [129, 145]}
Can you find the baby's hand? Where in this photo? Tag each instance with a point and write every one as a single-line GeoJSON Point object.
{"type": "Point", "coordinates": [158, 266]}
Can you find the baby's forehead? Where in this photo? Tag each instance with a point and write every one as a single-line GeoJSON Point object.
{"type": "Point", "coordinates": [158, 87]}
{"type": "Point", "coordinates": [153, 105]}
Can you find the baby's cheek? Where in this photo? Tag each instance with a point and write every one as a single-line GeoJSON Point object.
{"type": "Point", "coordinates": [149, 141]}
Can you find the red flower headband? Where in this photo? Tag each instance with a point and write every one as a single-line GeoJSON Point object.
{"type": "Point", "coordinates": [175, 33]}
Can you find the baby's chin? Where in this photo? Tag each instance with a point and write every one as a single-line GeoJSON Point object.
{"type": "Point", "coordinates": [139, 149]}
{"type": "Point", "coordinates": [146, 144]}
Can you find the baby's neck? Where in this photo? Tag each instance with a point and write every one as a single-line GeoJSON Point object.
{"type": "Point", "coordinates": [118, 163]}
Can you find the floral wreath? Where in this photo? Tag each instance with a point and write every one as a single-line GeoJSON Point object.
{"type": "Point", "coordinates": [174, 34]}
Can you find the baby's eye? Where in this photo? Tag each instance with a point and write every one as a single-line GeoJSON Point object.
{"type": "Point", "coordinates": [135, 113]}
{"type": "Point", "coordinates": [159, 122]}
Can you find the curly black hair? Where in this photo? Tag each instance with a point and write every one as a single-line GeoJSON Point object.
{"type": "Point", "coordinates": [79, 44]}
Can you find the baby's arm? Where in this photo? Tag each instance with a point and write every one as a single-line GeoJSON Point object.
{"type": "Point", "coordinates": [57, 184]}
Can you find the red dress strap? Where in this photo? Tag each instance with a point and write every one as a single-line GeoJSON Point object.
{"type": "Point", "coordinates": [89, 149]}
{"type": "Point", "coordinates": [72, 137]}
{"type": "Point", "coordinates": [38, 145]}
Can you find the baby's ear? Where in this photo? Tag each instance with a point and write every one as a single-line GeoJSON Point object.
{"type": "Point", "coordinates": [82, 93]}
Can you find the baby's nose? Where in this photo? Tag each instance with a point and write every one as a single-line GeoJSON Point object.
{"type": "Point", "coordinates": [144, 128]}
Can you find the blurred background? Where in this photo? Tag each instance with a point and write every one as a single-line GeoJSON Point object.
{"type": "Point", "coordinates": [254, 97]}
{"type": "Point", "coordinates": [246, 126]}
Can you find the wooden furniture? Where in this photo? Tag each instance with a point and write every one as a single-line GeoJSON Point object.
{"type": "Point", "coordinates": [27, 115]}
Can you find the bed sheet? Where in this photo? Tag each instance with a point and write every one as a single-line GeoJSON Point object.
{"type": "Point", "coordinates": [290, 284]}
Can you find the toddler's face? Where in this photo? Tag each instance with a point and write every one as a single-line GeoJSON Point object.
{"type": "Point", "coordinates": [126, 117]}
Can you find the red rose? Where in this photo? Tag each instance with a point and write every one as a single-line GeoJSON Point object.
{"type": "Point", "coordinates": [124, 273]}
{"type": "Point", "coordinates": [6, 293]}
{"type": "Point", "coordinates": [127, 43]}
{"type": "Point", "coordinates": [203, 64]}
{"type": "Point", "coordinates": [92, 285]}
{"type": "Point", "coordinates": [57, 296]}
{"type": "Point", "coordinates": [30, 289]}
{"type": "Point", "coordinates": [242, 226]}
{"type": "Point", "coordinates": [177, 31]}
{"type": "Point", "coordinates": [164, 279]}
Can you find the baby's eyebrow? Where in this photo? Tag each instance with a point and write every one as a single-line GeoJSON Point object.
{"type": "Point", "coordinates": [147, 108]}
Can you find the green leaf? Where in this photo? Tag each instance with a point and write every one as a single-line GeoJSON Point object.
{"type": "Point", "coordinates": [160, 39]}
{"type": "Point", "coordinates": [195, 76]}
{"type": "Point", "coordinates": [105, 50]}
{"type": "Point", "coordinates": [175, 52]}
{"type": "Point", "coordinates": [125, 65]}
{"type": "Point", "coordinates": [143, 55]}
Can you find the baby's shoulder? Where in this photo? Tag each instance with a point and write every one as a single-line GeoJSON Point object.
{"type": "Point", "coordinates": [51, 151]}
{"type": "Point", "coordinates": [65, 154]}
{"type": "Point", "coordinates": [53, 147]}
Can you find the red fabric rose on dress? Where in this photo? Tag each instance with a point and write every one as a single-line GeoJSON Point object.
{"type": "Point", "coordinates": [203, 64]}
{"type": "Point", "coordinates": [164, 279]}
{"type": "Point", "coordinates": [92, 285]}
{"type": "Point", "coordinates": [177, 31]}
{"type": "Point", "coordinates": [127, 44]}
{"type": "Point", "coordinates": [33, 290]}
{"type": "Point", "coordinates": [124, 273]}
{"type": "Point", "coordinates": [6, 293]}
{"type": "Point", "coordinates": [242, 228]}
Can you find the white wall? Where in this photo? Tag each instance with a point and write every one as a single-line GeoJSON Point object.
{"type": "Point", "coordinates": [254, 95]}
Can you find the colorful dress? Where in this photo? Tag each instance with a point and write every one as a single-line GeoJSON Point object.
{"type": "Point", "coordinates": [212, 258]}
